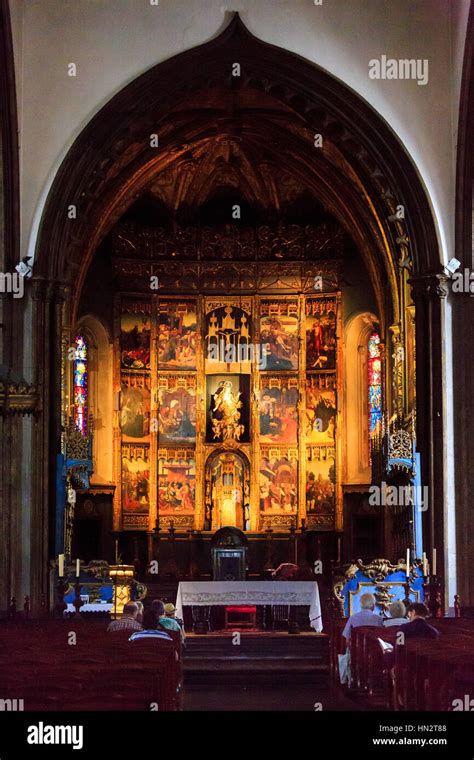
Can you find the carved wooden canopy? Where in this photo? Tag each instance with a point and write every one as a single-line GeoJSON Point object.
{"type": "Point", "coordinates": [189, 126]}
{"type": "Point", "coordinates": [286, 258]}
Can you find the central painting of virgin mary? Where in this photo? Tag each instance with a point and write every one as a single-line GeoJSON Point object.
{"type": "Point", "coordinates": [228, 408]}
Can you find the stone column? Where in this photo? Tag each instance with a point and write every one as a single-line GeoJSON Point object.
{"type": "Point", "coordinates": [429, 294]}
{"type": "Point", "coordinates": [463, 431]}
{"type": "Point", "coordinates": [46, 322]}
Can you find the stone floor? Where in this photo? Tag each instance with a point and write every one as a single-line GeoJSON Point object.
{"type": "Point", "coordinates": [278, 694]}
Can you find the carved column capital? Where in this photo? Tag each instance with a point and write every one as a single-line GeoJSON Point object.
{"type": "Point", "coordinates": [39, 288]}
{"type": "Point", "coordinates": [429, 286]}
{"type": "Point", "coordinates": [47, 291]}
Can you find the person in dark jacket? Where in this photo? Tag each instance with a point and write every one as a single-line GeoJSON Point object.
{"type": "Point", "coordinates": [418, 627]}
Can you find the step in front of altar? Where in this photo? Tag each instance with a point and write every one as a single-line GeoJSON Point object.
{"type": "Point", "coordinates": [264, 652]}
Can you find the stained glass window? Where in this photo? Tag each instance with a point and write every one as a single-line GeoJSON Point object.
{"type": "Point", "coordinates": [375, 384]}
{"type": "Point", "coordinates": [80, 384]}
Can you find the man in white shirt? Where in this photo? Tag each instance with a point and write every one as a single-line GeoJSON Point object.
{"type": "Point", "coordinates": [366, 616]}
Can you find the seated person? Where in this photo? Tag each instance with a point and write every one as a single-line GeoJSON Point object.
{"type": "Point", "coordinates": [140, 611]}
{"type": "Point", "coordinates": [366, 616]}
{"type": "Point", "coordinates": [418, 628]}
{"type": "Point", "coordinates": [151, 628]}
{"type": "Point", "coordinates": [128, 621]}
{"type": "Point", "coordinates": [170, 612]}
{"type": "Point", "coordinates": [397, 611]}
{"type": "Point", "coordinates": [166, 622]}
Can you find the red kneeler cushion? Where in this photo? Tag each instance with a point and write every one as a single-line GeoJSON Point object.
{"type": "Point", "coordinates": [241, 609]}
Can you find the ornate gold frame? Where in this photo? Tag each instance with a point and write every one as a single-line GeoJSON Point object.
{"type": "Point", "coordinates": [204, 450]}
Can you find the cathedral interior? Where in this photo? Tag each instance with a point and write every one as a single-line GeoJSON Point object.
{"type": "Point", "coordinates": [239, 330]}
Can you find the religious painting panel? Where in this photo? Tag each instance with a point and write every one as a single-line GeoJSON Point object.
{"type": "Point", "coordinates": [321, 315]}
{"type": "Point", "coordinates": [134, 417]}
{"type": "Point", "coordinates": [228, 408]}
{"type": "Point", "coordinates": [279, 409]}
{"type": "Point", "coordinates": [320, 413]}
{"type": "Point", "coordinates": [135, 335]}
{"type": "Point", "coordinates": [176, 409]}
{"type": "Point", "coordinates": [228, 336]}
{"type": "Point", "coordinates": [135, 478]}
{"type": "Point", "coordinates": [279, 334]}
{"type": "Point", "coordinates": [176, 482]}
{"type": "Point", "coordinates": [278, 481]}
{"type": "Point", "coordinates": [177, 331]}
{"type": "Point", "coordinates": [320, 480]}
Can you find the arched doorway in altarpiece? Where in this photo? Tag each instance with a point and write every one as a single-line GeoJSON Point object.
{"type": "Point", "coordinates": [227, 489]}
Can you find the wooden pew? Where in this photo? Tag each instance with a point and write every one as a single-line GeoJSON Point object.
{"type": "Point", "coordinates": [423, 674]}
{"type": "Point", "coordinates": [101, 671]}
{"type": "Point", "coordinates": [337, 645]}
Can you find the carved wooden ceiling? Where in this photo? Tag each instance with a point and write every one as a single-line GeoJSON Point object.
{"type": "Point", "coordinates": [253, 134]}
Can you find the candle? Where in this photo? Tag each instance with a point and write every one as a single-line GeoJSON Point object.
{"type": "Point", "coordinates": [434, 561]}
{"type": "Point", "coordinates": [61, 565]}
{"type": "Point", "coordinates": [425, 565]}
{"type": "Point", "coordinates": [408, 563]}
{"type": "Point", "coordinates": [78, 568]}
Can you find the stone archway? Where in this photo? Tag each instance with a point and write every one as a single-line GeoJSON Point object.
{"type": "Point", "coordinates": [173, 115]}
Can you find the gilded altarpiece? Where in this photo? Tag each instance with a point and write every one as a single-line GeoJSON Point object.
{"type": "Point", "coordinates": [227, 411]}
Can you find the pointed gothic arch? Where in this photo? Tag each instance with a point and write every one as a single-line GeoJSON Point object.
{"type": "Point", "coordinates": [278, 105]}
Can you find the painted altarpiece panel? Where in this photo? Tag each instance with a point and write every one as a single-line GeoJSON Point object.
{"type": "Point", "coordinates": [228, 336]}
{"type": "Point", "coordinates": [278, 481]}
{"type": "Point", "coordinates": [176, 482]}
{"type": "Point", "coordinates": [135, 406]}
{"type": "Point", "coordinates": [227, 402]}
{"type": "Point", "coordinates": [279, 333]}
{"type": "Point", "coordinates": [135, 335]}
{"type": "Point", "coordinates": [278, 409]}
{"type": "Point", "coordinates": [135, 478]}
{"type": "Point", "coordinates": [177, 326]}
{"type": "Point", "coordinates": [321, 485]}
{"type": "Point", "coordinates": [176, 409]}
{"type": "Point", "coordinates": [321, 329]}
{"type": "Point", "coordinates": [321, 408]}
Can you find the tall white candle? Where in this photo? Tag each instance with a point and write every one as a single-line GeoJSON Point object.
{"type": "Point", "coordinates": [61, 565]}
{"type": "Point", "coordinates": [408, 563]}
{"type": "Point", "coordinates": [434, 562]}
{"type": "Point", "coordinates": [425, 565]}
{"type": "Point", "coordinates": [78, 568]}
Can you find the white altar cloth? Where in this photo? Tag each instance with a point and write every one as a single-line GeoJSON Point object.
{"type": "Point", "coordinates": [224, 593]}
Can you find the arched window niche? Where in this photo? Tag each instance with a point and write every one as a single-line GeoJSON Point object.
{"type": "Point", "coordinates": [362, 417]}
{"type": "Point", "coordinates": [96, 353]}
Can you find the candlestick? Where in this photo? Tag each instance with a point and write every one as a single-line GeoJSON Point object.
{"type": "Point", "coordinates": [60, 606]}
{"type": "Point", "coordinates": [78, 568]}
{"type": "Point", "coordinates": [61, 565]}
{"type": "Point", "coordinates": [434, 562]}
{"type": "Point", "coordinates": [425, 565]}
{"type": "Point", "coordinates": [408, 563]}
{"type": "Point", "coordinates": [77, 597]}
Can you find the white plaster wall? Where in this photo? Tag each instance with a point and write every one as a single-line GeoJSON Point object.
{"type": "Point", "coordinates": [113, 41]}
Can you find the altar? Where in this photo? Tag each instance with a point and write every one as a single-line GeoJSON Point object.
{"type": "Point", "coordinates": [256, 593]}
